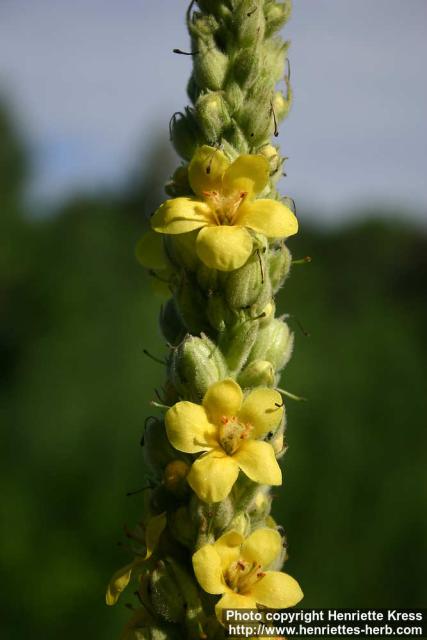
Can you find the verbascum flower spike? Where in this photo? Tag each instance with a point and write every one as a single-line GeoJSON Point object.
{"type": "Point", "coordinates": [217, 247]}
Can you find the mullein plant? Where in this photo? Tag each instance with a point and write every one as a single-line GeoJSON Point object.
{"type": "Point", "coordinates": [207, 541]}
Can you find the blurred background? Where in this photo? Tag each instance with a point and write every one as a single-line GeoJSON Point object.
{"type": "Point", "coordinates": [86, 92]}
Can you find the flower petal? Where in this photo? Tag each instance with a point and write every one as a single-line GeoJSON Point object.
{"type": "Point", "coordinates": [257, 460]}
{"type": "Point", "coordinates": [149, 251]}
{"type": "Point", "coordinates": [208, 569]}
{"type": "Point", "coordinates": [207, 169]}
{"type": "Point", "coordinates": [234, 601]}
{"type": "Point", "coordinates": [270, 217]}
{"type": "Point", "coordinates": [248, 173]}
{"type": "Point", "coordinates": [188, 428]}
{"type": "Point", "coordinates": [224, 248]}
{"type": "Point", "coordinates": [276, 590]}
{"type": "Point", "coordinates": [155, 527]}
{"type": "Point", "coordinates": [181, 215]}
{"type": "Point", "coordinates": [228, 548]}
{"type": "Point", "coordinates": [263, 409]}
{"type": "Point", "coordinates": [222, 399]}
{"type": "Point", "coordinates": [213, 475]}
{"type": "Point", "coordinates": [262, 546]}
{"type": "Point", "coordinates": [118, 583]}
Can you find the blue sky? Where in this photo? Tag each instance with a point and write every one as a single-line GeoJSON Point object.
{"type": "Point", "coordinates": [92, 82]}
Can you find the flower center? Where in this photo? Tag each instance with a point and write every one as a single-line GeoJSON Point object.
{"type": "Point", "coordinates": [242, 575]}
{"type": "Point", "coordinates": [224, 207]}
{"type": "Point", "coordinates": [231, 434]}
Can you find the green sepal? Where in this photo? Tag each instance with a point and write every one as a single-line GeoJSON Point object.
{"type": "Point", "coordinates": [195, 365]}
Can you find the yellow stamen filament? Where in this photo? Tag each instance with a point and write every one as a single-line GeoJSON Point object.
{"type": "Point", "coordinates": [241, 576]}
{"type": "Point", "coordinates": [224, 208]}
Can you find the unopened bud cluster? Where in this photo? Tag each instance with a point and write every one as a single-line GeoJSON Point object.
{"type": "Point", "coordinates": [207, 540]}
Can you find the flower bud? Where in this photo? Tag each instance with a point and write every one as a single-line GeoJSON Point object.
{"type": "Point", "coordinates": [195, 365]}
{"type": "Point", "coordinates": [234, 96]}
{"type": "Point", "coordinates": [274, 343]}
{"type": "Point", "coordinates": [236, 343]}
{"type": "Point", "coordinates": [209, 64]}
{"type": "Point", "coordinates": [256, 116]}
{"type": "Point", "coordinates": [276, 15]}
{"type": "Point", "coordinates": [249, 22]}
{"type": "Point", "coordinates": [243, 286]}
{"type": "Point", "coordinates": [235, 137]}
{"type": "Point", "coordinates": [213, 115]}
{"type": "Point", "coordinates": [272, 155]}
{"type": "Point", "coordinates": [166, 597]}
{"type": "Point", "coordinates": [260, 506]}
{"type": "Point", "coordinates": [184, 134]}
{"type": "Point", "coordinates": [179, 184]}
{"type": "Point", "coordinates": [241, 523]}
{"type": "Point", "coordinates": [259, 373]}
{"type": "Point", "coordinates": [246, 66]}
{"type": "Point", "coordinates": [218, 312]}
{"type": "Point", "coordinates": [279, 266]}
{"type": "Point", "coordinates": [174, 477]}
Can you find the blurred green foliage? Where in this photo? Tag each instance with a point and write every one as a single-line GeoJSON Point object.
{"type": "Point", "coordinates": [76, 314]}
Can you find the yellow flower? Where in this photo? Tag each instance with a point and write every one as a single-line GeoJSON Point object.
{"type": "Point", "coordinates": [227, 426]}
{"type": "Point", "coordinates": [224, 208]}
{"type": "Point", "coordinates": [237, 569]}
{"type": "Point", "coordinates": [122, 577]}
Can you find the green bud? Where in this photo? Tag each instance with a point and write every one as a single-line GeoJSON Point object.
{"type": "Point", "coordinates": [267, 313]}
{"type": "Point", "coordinates": [243, 286]}
{"type": "Point", "coordinates": [218, 312]}
{"type": "Point", "coordinates": [274, 343]}
{"type": "Point", "coordinates": [179, 184]}
{"type": "Point", "coordinates": [234, 96]}
{"type": "Point", "coordinates": [195, 365]}
{"type": "Point", "coordinates": [259, 373]}
{"type": "Point", "coordinates": [184, 134]}
{"type": "Point", "coordinates": [249, 22]}
{"type": "Point", "coordinates": [256, 116]}
{"type": "Point", "coordinates": [279, 266]}
{"type": "Point", "coordinates": [213, 115]}
{"type": "Point", "coordinates": [275, 51]}
{"type": "Point", "coordinates": [210, 64]}
{"type": "Point", "coordinates": [246, 66]}
{"type": "Point", "coordinates": [171, 323]}
{"type": "Point", "coordinates": [166, 598]}
{"type": "Point", "coordinates": [237, 342]}
{"type": "Point", "coordinates": [276, 15]}
{"type": "Point", "coordinates": [235, 138]}
{"type": "Point", "coordinates": [223, 513]}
